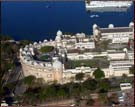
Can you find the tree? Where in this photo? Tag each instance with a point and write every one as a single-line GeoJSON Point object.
{"type": "Point", "coordinates": [75, 89]}
{"type": "Point", "coordinates": [104, 85]}
{"type": "Point", "coordinates": [61, 93]}
{"type": "Point", "coordinates": [131, 69]}
{"type": "Point", "coordinates": [90, 102]}
{"type": "Point", "coordinates": [98, 73]}
{"type": "Point", "coordinates": [39, 82]}
{"type": "Point", "coordinates": [90, 84]}
{"type": "Point", "coordinates": [29, 97]}
{"type": "Point", "coordinates": [29, 80]}
{"type": "Point", "coordinates": [42, 94]}
{"type": "Point", "coordinates": [79, 76]}
{"type": "Point", "coordinates": [50, 92]}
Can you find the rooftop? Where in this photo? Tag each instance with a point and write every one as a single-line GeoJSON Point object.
{"type": "Point", "coordinates": [116, 30]}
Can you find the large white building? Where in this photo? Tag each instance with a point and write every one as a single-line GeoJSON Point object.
{"type": "Point", "coordinates": [77, 47]}
{"type": "Point", "coordinates": [120, 67]}
{"type": "Point", "coordinates": [116, 34]}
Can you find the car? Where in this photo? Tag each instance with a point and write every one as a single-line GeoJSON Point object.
{"type": "Point", "coordinates": [121, 99]}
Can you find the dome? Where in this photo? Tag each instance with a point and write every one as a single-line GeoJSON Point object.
{"type": "Point", "coordinates": [96, 32]}
{"type": "Point", "coordinates": [59, 33]}
{"type": "Point", "coordinates": [111, 26]}
{"type": "Point", "coordinates": [45, 40]}
{"type": "Point", "coordinates": [35, 43]}
{"type": "Point", "coordinates": [57, 64]}
{"type": "Point", "coordinates": [78, 34]}
{"type": "Point", "coordinates": [95, 26]}
{"type": "Point", "coordinates": [51, 40]}
{"type": "Point", "coordinates": [131, 24]}
{"type": "Point", "coordinates": [30, 44]}
{"type": "Point", "coordinates": [82, 34]}
{"type": "Point", "coordinates": [40, 42]}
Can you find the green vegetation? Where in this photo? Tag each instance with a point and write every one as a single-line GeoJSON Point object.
{"type": "Point", "coordinates": [5, 37]}
{"type": "Point", "coordinates": [98, 73]}
{"type": "Point", "coordinates": [29, 80]}
{"type": "Point", "coordinates": [132, 71]}
{"type": "Point", "coordinates": [8, 55]}
{"type": "Point", "coordinates": [90, 84]}
{"type": "Point", "coordinates": [38, 92]}
{"type": "Point", "coordinates": [102, 45]}
{"type": "Point", "coordinates": [44, 57]}
{"type": "Point", "coordinates": [25, 42]}
{"type": "Point", "coordinates": [104, 85]}
{"type": "Point", "coordinates": [55, 92]}
{"type": "Point", "coordinates": [124, 77]}
{"type": "Point", "coordinates": [9, 60]}
{"type": "Point", "coordinates": [46, 49]}
{"type": "Point", "coordinates": [79, 76]}
{"type": "Point", "coordinates": [97, 62]}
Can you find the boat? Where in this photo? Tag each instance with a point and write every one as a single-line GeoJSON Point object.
{"type": "Point", "coordinates": [108, 5]}
{"type": "Point", "coordinates": [92, 16]}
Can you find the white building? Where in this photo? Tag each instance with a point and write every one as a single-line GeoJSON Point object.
{"type": "Point", "coordinates": [116, 34]}
{"type": "Point", "coordinates": [78, 48]}
{"type": "Point", "coordinates": [116, 55]}
{"type": "Point", "coordinates": [85, 45]}
{"type": "Point", "coordinates": [118, 68]}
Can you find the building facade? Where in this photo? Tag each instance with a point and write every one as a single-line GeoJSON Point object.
{"type": "Point", "coordinates": [78, 47]}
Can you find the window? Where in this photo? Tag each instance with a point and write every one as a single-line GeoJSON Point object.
{"type": "Point", "coordinates": [49, 75]}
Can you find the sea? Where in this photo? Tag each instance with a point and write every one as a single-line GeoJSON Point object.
{"type": "Point", "coordinates": [39, 20]}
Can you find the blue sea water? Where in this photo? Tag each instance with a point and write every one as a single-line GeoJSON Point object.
{"type": "Point", "coordinates": [38, 20]}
